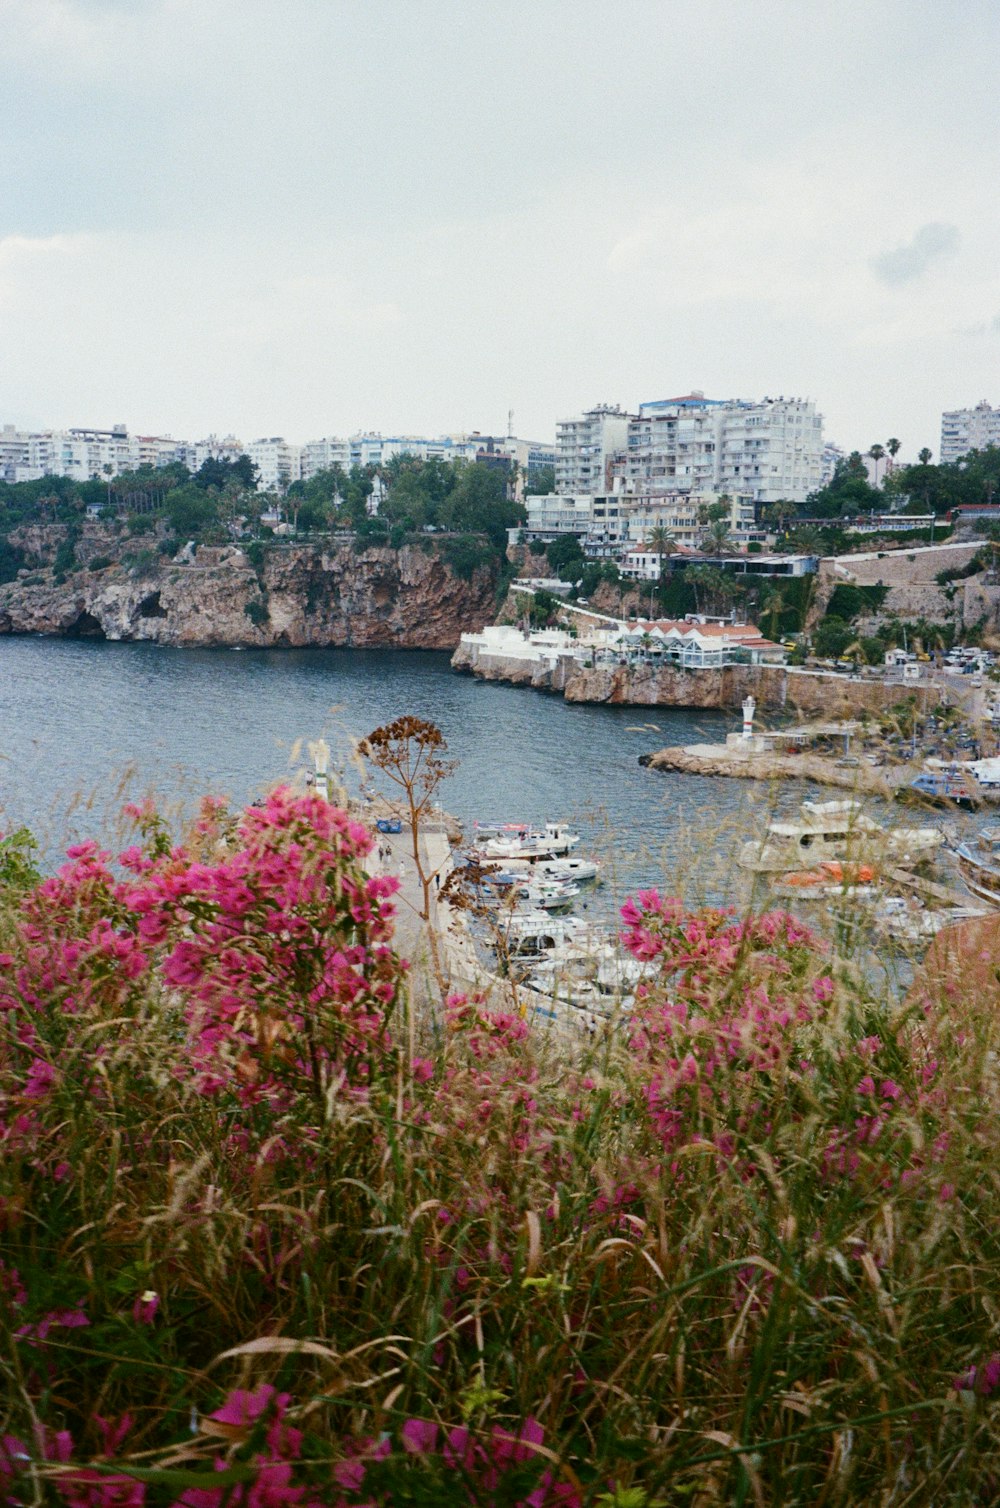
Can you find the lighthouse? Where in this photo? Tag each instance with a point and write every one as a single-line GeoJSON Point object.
{"type": "Point", "coordinates": [749, 707]}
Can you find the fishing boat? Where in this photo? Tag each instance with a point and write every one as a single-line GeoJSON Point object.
{"type": "Point", "coordinates": [836, 830]}
{"type": "Point", "coordinates": [979, 866]}
{"type": "Point", "coordinates": [945, 785]}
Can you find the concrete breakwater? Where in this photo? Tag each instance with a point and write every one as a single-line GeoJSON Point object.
{"type": "Point", "coordinates": [726, 686]}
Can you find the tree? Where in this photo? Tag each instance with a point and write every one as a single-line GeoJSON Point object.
{"type": "Point", "coordinates": [410, 752]}
{"type": "Point", "coordinates": [924, 456]}
{"type": "Point", "coordinates": [893, 446]}
{"type": "Point", "coordinates": [773, 606]}
{"type": "Point", "coordinates": [192, 512]}
{"type": "Point", "coordinates": [831, 638]}
{"type": "Point", "coordinates": [719, 539]}
{"type": "Point", "coordinates": [661, 542]}
{"type": "Point", "coordinates": [876, 453]}
{"type": "Point", "coordinates": [541, 481]}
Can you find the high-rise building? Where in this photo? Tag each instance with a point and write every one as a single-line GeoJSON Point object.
{"type": "Point", "coordinates": [278, 463]}
{"type": "Point", "coordinates": [965, 429]}
{"type": "Point", "coordinates": [759, 452]}
{"type": "Point", "coordinates": [585, 447]}
{"type": "Point", "coordinates": [772, 451]}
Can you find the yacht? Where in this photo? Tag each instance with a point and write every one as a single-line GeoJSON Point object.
{"type": "Point", "coordinates": [520, 841]}
{"type": "Point", "coordinates": [836, 830]}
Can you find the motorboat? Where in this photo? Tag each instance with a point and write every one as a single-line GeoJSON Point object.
{"type": "Point", "coordinates": [580, 871]}
{"type": "Point", "coordinates": [601, 977]}
{"type": "Point", "coordinates": [836, 830]}
{"type": "Point", "coordinates": [906, 921]}
{"type": "Point", "coordinates": [945, 785]}
{"type": "Point", "coordinates": [514, 840]}
{"type": "Point", "coordinates": [533, 934]}
{"type": "Point", "coordinates": [549, 895]}
{"type": "Point", "coordinates": [979, 866]}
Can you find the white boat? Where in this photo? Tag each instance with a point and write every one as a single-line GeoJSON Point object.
{"type": "Point", "coordinates": [836, 830]}
{"type": "Point", "coordinates": [570, 868]}
{"type": "Point", "coordinates": [520, 841]}
{"type": "Point", "coordinates": [549, 895]}
{"type": "Point", "coordinates": [908, 922]}
{"type": "Point", "coordinates": [533, 934]}
{"type": "Point", "coordinates": [980, 866]}
{"type": "Point", "coordinates": [598, 978]}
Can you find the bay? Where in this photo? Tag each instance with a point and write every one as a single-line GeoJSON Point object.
{"type": "Point", "coordinates": [86, 725]}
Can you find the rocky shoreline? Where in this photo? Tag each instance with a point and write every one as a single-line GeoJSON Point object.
{"type": "Point", "coordinates": [723, 759]}
{"type": "Point", "coordinates": [282, 596]}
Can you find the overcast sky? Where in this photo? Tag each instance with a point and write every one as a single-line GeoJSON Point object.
{"type": "Point", "coordinates": [307, 217]}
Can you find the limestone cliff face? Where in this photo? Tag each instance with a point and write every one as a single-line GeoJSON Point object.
{"type": "Point", "coordinates": [301, 594]}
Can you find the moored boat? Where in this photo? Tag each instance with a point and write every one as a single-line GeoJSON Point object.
{"type": "Point", "coordinates": [514, 840]}
{"type": "Point", "coordinates": [979, 866]}
{"type": "Point", "coordinates": [836, 831]}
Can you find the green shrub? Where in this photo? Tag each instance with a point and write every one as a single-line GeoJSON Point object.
{"type": "Point", "coordinates": [464, 554]}
{"type": "Point", "coordinates": [848, 602]}
{"type": "Point", "coordinates": [257, 611]}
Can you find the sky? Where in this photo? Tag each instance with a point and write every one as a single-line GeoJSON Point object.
{"type": "Point", "coordinates": [310, 217]}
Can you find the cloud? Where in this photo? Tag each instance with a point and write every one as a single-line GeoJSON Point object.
{"type": "Point", "coordinates": [906, 263]}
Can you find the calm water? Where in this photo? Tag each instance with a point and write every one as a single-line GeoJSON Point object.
{"type": "Point", "coordinates": [79, 720]}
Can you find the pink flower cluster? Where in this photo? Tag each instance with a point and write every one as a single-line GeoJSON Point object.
{"type": "Point", "coordinates": [721, 1014]}
{"type": "Point", "coordinates": [279, 954]}
{"type": "Point", "coordinates": [267, 1450]}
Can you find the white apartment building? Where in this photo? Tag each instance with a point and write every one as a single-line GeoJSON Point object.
{"type": "Point", "coordinates": [372, 449]}
{"type": "Point", "coordinates": [965, 429]}
{"type": "Point", "coordinates": [14, 451]}
{"type": "Point", "coordinates": [278, 463]}
{"type": "Point", "coordinates": [755, 452]}
{"type": "Point", "coordinates": [585, 447]}
{"type": "Point", "coordinates": [84, 454]}
{"type": "Point", "coordinates": [673, 445]}
{"type": "Point", "coordinates": [772, 450]}
{"type": "Point", "coordinates": [212, 448]}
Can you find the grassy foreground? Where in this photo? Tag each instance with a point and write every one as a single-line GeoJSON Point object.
{"type": "Point", "coordinates": [266, 1240]}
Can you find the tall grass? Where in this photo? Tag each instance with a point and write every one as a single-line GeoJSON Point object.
{"type": "Point", "coordinates": [264, 1240]}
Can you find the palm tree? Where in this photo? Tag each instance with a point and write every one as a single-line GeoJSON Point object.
{"type": "Point", "coordinates": [893, 446]}
{"type": "Point", "coordinates": [719, 538]}
{"type": "Point", "coordinates": [876, 453]}
{"type": "Point", "coordinates": [773, 607]}
{"type": "Point", "coordinates": [661, 542]}
{"type": "Point", "coordinates": [924, 456]}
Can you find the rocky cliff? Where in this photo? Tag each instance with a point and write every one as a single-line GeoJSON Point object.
{"type": "Point", "coordinates": [287, 595]}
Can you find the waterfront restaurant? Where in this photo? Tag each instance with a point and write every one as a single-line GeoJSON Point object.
{"type": "Point", "coordinates": [696, 645]}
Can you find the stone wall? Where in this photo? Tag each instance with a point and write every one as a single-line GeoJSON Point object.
{"type": "Point", "coordinates": [774, 687]}
{"type": "Point", "coordinates": [909, 575]}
